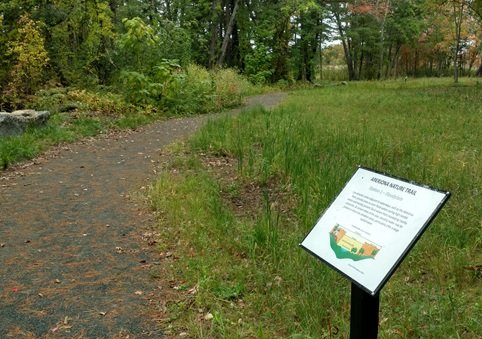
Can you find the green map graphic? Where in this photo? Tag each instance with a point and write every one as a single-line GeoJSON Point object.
{"type": "Point", "coordinates": [349, 246]}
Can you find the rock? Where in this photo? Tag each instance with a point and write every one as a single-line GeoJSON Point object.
{"type": "Point", "coordinates": [17, 121]}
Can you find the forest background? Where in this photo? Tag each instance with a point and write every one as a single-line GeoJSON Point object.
{"type": "Point", "coordinates": [144, 50]}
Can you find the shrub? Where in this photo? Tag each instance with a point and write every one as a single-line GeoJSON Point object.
{"type": "Point", "coordinates": [29, 60]}
{"type": "Point", "coordinates": [61, 99]}
{"type": "Point", "coordinates": [158, 88]}
{"type": "Point", "coordinates": [229, 88]}
{"type": "Point", "coordinates": [195, 93]}
{"type": "Point", "coordinates": [184, 91]}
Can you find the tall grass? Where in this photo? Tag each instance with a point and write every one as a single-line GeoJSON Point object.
{"type": "Point", "coordinates": [427, 131]}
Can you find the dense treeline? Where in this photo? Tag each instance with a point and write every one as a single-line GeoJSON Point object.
{"type": "Point", "coordinates": [143, 44]}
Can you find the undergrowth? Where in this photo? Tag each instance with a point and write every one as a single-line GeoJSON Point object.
{"type": "Point", "coordinates": [77, 113]}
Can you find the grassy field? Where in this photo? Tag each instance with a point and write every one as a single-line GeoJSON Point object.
{"type": "Point", "coordinates": [235, 202]}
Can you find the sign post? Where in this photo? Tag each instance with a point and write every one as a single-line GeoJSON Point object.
{"type": "Point", "coordinates": [363, 314]}
{"type": "Point", "coordinates": [366, 233]}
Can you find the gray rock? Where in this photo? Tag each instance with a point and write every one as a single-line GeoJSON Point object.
{"type": "Point", "coordinates": [17, 121]}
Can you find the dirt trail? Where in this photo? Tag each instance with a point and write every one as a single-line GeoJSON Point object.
{"type": "Point", "coordinates": [76, 257]}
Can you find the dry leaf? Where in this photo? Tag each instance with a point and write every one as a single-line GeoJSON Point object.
{"type": "Point", "coordinates": [193, 290]}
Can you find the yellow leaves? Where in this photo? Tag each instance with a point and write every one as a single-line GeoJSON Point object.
{"type": "Point", "coordinates": [29, 58]}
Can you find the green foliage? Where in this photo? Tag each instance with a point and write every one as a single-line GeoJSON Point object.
{"type": "Point", "coordinates": [138, 45]}
{"type": "Point", "coordinates": [230, 87]}
{"type": "Point", "coordinates": [81, 101]}
{"type": "Point", "coordinates": [3, 58]}
{"type": "Point", "coordinates": [80, 41]}
{"type": "Point", "coordinates": [258, 65]}
{"type": "Point", "coordinates": [139, 89]}
{"type": "Point", "coordinates": [174, 42]}
{"type": "Point", "coordinates": [76, 113]}
{"type": "Point", "coordinates": [29, 59]}
{"type": "Point", "coordinates": [154, 89]}
{"type": "Point", "coordinates": [138, 35]}
{"type": "Point", "coordinates": [193, 90]}
{"type": "Point", "coordinates": [142, 45]}
{"type": "Point", "coordinates": [194, 93]}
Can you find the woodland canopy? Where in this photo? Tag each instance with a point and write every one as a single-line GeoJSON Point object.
{"type": "Point", "coordinates": [111, 42]}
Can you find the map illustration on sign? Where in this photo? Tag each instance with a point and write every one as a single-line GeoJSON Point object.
{"type": "Point", "coordinates": [371, 226]}
{"type": "Point", "coordinates": [348, 245]}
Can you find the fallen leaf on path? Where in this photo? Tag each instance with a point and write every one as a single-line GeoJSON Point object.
{"type": "Point", "coordinates": [193, 290]}
{"type": "Point", "coordinates": [474, 268]}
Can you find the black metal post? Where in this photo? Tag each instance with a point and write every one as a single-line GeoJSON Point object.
{"type": "Point", "coordinates": [364, 314]}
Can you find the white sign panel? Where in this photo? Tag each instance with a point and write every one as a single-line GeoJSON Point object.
{"type": "Point", "coordinates": [371, 226]}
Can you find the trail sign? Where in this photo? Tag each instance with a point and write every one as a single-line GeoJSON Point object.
{"type": "Point", "coordinates": [368, 230]}
{"type": "Point", "coordinates": [372, 225]}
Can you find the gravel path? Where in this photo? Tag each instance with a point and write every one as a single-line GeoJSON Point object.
{"type": "Point", "coordinates": [77, 259]}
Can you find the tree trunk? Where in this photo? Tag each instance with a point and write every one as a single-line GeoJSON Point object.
{"type": "Point", "coordinates": [227, 34]}
{"type": "Point", "coordinates": [458, 11]}
{"type": "Point", "coordinates": [479, 71]}
{"type": "Point", "coordinates": [346, 47]}
{"type": "Point", "coordinates": [213, 35]}
{"type": "Point", "coordinates": [280, 51]}
{"type": "Point", "coordinates": [381, 61]}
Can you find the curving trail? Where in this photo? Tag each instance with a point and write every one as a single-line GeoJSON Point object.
{"type": "Point", "coordinates": [77, 259]}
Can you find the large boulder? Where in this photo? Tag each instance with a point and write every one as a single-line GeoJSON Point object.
{"type": "Point", "coordinates": [17, 121]}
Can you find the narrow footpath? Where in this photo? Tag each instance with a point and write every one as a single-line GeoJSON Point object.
{"type": "Point", "coordinates": [76, 254]}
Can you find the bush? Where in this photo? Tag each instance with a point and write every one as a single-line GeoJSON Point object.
{"type": "Point", "coordinates": [158, 88]}
{"type": "Point", "coordinates": [61, 99]}
{"type": "Point", "coordinates": [196, 91]}
{"type": "Point", "coordinates": [139, 89]}
{"type": "Point", "coordinates": [184, 91]}
{"type": "Point", "coordinates": [230, 87]}
{"type": "Point", "coordinates": [29, 61]}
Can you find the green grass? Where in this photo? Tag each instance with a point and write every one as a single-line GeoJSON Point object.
{"type": "Point", "coordinates": [247, 267]}
{"type": "Point", "coordinates": [63, 128]}
{"type": "Point", "coordinates": [75, 114]}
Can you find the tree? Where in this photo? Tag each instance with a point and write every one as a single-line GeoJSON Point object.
{"type": "Point", "coordinates": [476, 8]}
{"type": "Point", "coordinates": [228, 32]}
{"type": "Point", "coordinates": [29, 59]}
{"type": "Point", "coordinates": [310, 30]}
{"type": "Point", "coordinates": [458, 10]}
